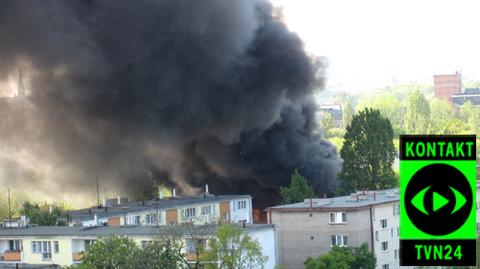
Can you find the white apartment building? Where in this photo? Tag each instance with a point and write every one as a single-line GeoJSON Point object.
{"type": "Point", "coordinates": [203, 209]}
{"type": "Point", "coordinates": [312, 227]}
{"type": "Point", "coordinates": [63, 245]}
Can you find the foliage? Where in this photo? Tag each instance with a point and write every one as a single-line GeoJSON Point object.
{"type": "Point", "coordinates": [368, 153]}
{"type": "Point", "coordinates": [162, 253]}
{"type": "Point", "coordinates": [418, 113]}
{"type": "Point", "coordinates": [344, 258]}
{"type": "Point", "coordinates": [112, 252]}
{"type": "Point", "coordinates": [327, 123]}
{"type": "Point", "coordinates": [443, 119]}
{"type": "Point", "coordinates": [347, 113]}
{"type": "Point", "coordinates": [44, 214]}
{"type": "Point", "coordinates": [233, 249]}
{"type": "Point", "coordinates": [297, 191]}
{"type": "Point", "coordinates": [390, 107]}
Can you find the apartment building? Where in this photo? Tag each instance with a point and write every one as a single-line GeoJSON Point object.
{"type": "Point", "coordinates": [444, 86]}
{"type": "Point", "coordinates": [203, 209]}
{"type": "Point", "coordinates": [312, 227]}
{"type": "Point", "coordinates": [63, 245]}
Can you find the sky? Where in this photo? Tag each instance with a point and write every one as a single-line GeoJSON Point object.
{"type": "Point", "coordinates": [376, 43]}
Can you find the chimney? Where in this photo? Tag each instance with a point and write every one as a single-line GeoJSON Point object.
{"type": "Point", "coordinates": [311, 203]}
{"type": "Point", "coordinates": [174, 193]}
{"type": "Point", "coordinates": [374, 196]}
{"type": "Point", "coordinates": [206, 188]}
{"type": "Point", "coordinates": [119, 200]}
{"type": "Point", "coordinates": [160, 195]}
{"type": "Point", "coordinates": [104, 202]}
{"type": "Point", "coordinates": [95, 219]}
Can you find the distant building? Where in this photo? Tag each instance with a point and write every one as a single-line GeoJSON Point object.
{"type": "Point", "coordinates": [337, 113]}
{"type": "Point", "coordinates": [311, 228]}
{"type": "Point", "coordinates": [62, 245]}
{"type": "Point", "coordinates": [447, 85]}
{"type": "Point", "coordinates": [202, 209]}
{"type": "Point", "coordinates": [471, 95]}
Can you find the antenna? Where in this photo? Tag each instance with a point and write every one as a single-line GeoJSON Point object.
{"type": "Point", "coordinates": [9, 209]}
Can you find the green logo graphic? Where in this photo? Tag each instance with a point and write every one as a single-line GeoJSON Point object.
{"type": "Point", "coordinates": [437, 200]}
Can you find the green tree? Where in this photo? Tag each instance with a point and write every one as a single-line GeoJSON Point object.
{"type": "Point", "coordinates": [390, 107]}
{"type": "Point", "coordinates": [347, 113]}
{"type": "Point", "coordinates": [417, 115]}
{"type": "Point", "coordinates": [327, 123]}
{"type": "Point", "coordinates": [470, 115]}
{"type": "Point", "coordinates": [112, 252]}
{"type": "Point", "coordinates": [233, 249]}
{"type": "Point", "coordinates": [44, 214]}
{"type": "Point", "coordinates": [161, 253]}
{"type": "Point", "coordinates": [444, 120]}
{"type": "Point", "coordinates": [368, 153]}
{"type": "Point", "coordinates": [344, 258]}
{"type": "Point", "coordinates": [297, 191]}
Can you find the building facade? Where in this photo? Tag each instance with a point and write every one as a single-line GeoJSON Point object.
{"type": "Point", "coordinates": [45, 245]}
{"type": "Point", "coordinates": [204, 209]}
{"type": "Point", "coordinates": [311, 228]}
{"type": "Point", "coordinates": [445, 86]}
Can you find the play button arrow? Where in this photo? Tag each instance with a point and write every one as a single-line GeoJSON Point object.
{"type": "Point", "coordinates": [438, 201]}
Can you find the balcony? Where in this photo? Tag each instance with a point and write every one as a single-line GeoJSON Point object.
{"type": "Point", "coordinates": [12, 256]}
{"type": "Point", "coordinates": [77, 256]}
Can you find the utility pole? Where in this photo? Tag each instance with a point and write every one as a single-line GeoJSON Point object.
{"type": "Point", "coordinates": [98, 195]}
{"type": "Point", "coordinates": [9, 209]}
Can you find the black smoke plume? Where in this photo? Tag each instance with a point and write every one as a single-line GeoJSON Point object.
{"type": "Point", "coordinates": [172, 91]}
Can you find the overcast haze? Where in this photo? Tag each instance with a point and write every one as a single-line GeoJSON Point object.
{"type": "Point", "coordinates": [374, 43]}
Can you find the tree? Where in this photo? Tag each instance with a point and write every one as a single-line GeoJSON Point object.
{"type": "Point", "coordinates": [344, 258]}
{"type": "Point", "coordinates": [418, 113]}
{"type": "Point", "coordinates": [233, 249]}
{"type": "Point", "coordinates": [347, 113]}
{"type": "Point", "coordinates": [112, 252]}
{"type": "Point", "coordinates": [327, 122]}
{"type": "Point", "coordinates": [444, 119]}
{"type": "Point", "coordinates": [161, 253]}
{"type": "Point", "coordinates": [44, 214]}
{"type": "Point", "coordinates": [389, 106]}
{"type": "Point", "coordinates": [297, 191]}
{"type": "Point", "coordinates": [368, 153]}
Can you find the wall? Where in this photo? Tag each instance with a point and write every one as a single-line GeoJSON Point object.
{"type": "Point", "coordinates": [385, 235]}
{"type": "Point", "coordinates": [237, 215]}
{"type": "Point", "coordinates": [301, 235]}
{"type": "Point", "coordinates": [267, 240]}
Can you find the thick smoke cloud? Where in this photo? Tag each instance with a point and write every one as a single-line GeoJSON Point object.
{"type": "Point", "coordinates": [179, 92]}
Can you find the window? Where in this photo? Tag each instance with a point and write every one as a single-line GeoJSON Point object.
{"type": "Point", "coordinates": [56, 247]}
{"type": "Point", "coordinates": [339, 240]}
{"type": "Point", "coordinates": [88, 243]}
{"type": "Point", "coordinates": [136, 220]}
{"type": "Point", "coordinates": [43, 247]}
{"type": "Point", "coordinates": [192, 244]}
{"type": "Point", "coordinates": [383, 223]}
{"type": "Point", "coordinates": [385, 266]}
{"type": "Point", "coordinates": [206, 210]}
{"type": "Point", "coordinates": [14, 245]}
{"type": "Point", "coordinates": [226, 217]}
{"type": "Point", "coordinates": [391, 232]}
{"type": "Point", "coordinates": [384, 246]}
{"type": "Point", "coordinates": [376, 236]}
{"type": "Point", "coordinates": [338, 217]}
{"type": "Point", "coordinates": [396, 210]}
{"type": "Point", "coordinates": [398, 231]}
{"type": "Point", "coordinates": [396, 254]}
{"type": "Point", "coordinates": [143, 243]}
{"type": "Point", "coordinates": [189, 212]}
{"type": "Point", "coordinates": [151, 219]}
{"type": "Point", "coordinates": [241, 204]}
